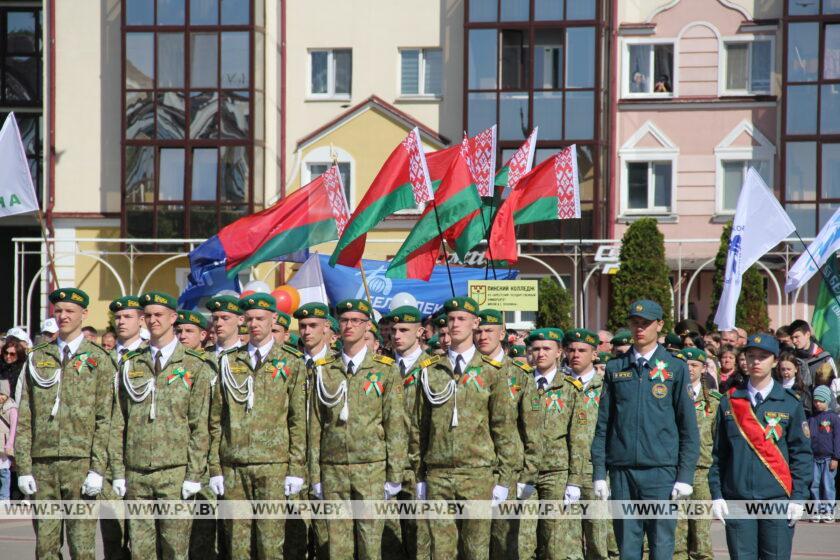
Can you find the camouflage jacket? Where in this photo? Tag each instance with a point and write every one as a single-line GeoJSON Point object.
{"type": "Point", "coordinates": [583, 429]}
{"type": "Point", "coordinates": [178, 435]}
{"type": "Point", "coordinates": [706, 426]}
{"type": "Point", "coordinates": [555, 406]}
{"type": "Point", "coordinates": [521, 388]}
{"type": "Point", "coordinates": [82, 422]}
{"type": "Point", "coordinates": [375, 429]}
{"type": "Point", "coordinates": [274, 430]}
{"type": "Point", "coordinates": [411, 384]}
{"type": "Point", "coordinates": [486, 432]}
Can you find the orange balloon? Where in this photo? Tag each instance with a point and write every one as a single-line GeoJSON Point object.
{"type": "Point", "coordinates": [288, 298]}
{"type": "Point", "coordinates": [246, 293]}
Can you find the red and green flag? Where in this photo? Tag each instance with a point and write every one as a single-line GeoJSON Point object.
{"type": "Point", "coordinates": [549, 192]}
{"type": "Point", "coordinates": [826, 320]}
{"type": "Point", "coordinates": [402, 183]}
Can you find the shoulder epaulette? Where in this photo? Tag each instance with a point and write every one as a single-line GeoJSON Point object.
{"type": "Point", "coordinates": [325, 360]}
{"type": "Point", "coordinates": [383, 359]}
{"type": "Point", "coordinates": [491, 361]}
{"type": "Point", "coordinates": [524, 367]}
{"type": "Point", "coordinates": [575, 382]}
{"type": "Point", "coordinates": [201, 355]}
{"type": "Point", "coordinates": [39, 346]}
{"type": "Point", "coordinates": [292, 350]}
{"type": "Point", "coordinates": [230, 351]}
{"type": "Point", "coordinates": [196, 353]}
{"type": "Point", "coordinates": [132, 354]}
{"type": "Point", "coordinates": [431, 361]}
{"type": "Point", "coordinates": [715, 395]}
{"type": "Point", "coordinates": [794, 393]}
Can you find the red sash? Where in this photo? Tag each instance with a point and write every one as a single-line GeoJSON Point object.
{"type": "Point", "coordinates": [766, 449]}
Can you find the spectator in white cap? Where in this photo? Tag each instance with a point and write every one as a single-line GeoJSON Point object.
{"type": "Point", "coordinates": [49, 330]}
{"type": "Point", "coordinates": [20, 334]}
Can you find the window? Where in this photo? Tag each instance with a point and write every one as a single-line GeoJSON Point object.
{"type": "Point", "coordinates": [191, 112]}
{"type": "Point", "coordinates": [749, 65]}
{"type": "Point", "coordinates": [330, 73]}
{"type": "Point", "coordinates": [734, 173]}
{"type": "Point", "coordinates": [420, 72]}
{"type": "Point", "coordinates": [649, 186]}
{"type": "Point", "coordinates": [745, 146]}
{"type": "Point", "coordinates": [649, 69]}
{"type": "Point", "coordinates": [316, 169]}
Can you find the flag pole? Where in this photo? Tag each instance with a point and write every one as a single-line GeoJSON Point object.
{"type": "Point", "coordinates": [492, 263]}
{"type": "Point", "coordinates": [443, 246]}
{"type": "Point", "coordinates": [334, 158]}
{"type": "Point", "coordinates": [50, 260]}
{"type": "Point", "coordinates": [820, 268]}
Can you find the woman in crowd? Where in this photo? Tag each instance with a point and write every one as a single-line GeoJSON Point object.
{"type": "Point", "coordinates": [790, 376]}
{"type": "Point", "coordinates": [14, 357]}
{"type": "Point", "coordinates": [728, 367]}
{"type": "Point", "coordinates": [8, 427]}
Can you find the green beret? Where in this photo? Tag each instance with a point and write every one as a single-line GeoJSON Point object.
{"type": "Point", "coordinates": [491, 317]}
{"type": "Point", "coordinates": [622, 338]}
{"type": "Point", "coordinates": [359, 305]}
{"type": "Point", "coordinates": [581, 335]}
{"type": "Point", "coordinates": [604, 357]}
{"type": "Point", "coordinates": [73, 295]}
{"type": "Point", "coordinates": [404, 314]}
{"type": "Point", "coordinates": [673, 339]}
{"type": "Point", "coordinates": [333, 324]}
{"type": "Point", "coordinates": [467, 304]}
{"type": "Point", "coordinates": [312, 310]}
{"type": "Point", "coordinates": [433, 342]}
{"type": "Point", "coordinates": [243, 329]}
{"type": "Point", "coordinates": [294, 339]}
{"type": "Point", "coordinates": [548, 333]}
{"type": "Point", "coordinates": [259, 300]}
{"type": "Point", "coordinates": [695, 354]}
{"type": "Point", "coordinates": [187, 317]}
{"type": "Point", "coordinates": [374, 328]}
{"type": "Point", "coordinates": [283, 320]}
{"type": "Point", "coordinates": [229, 304]}
{"type": "Point", "coordinates": [678, 353]}
{"type": "Point", "coordinates": [517, 351]}
{"type": "Point", "coordinates": [440, 320]}
{"type": "Point", "coordinates": [125, 302]}
{"type": "Point", "coordinates": [159, 298]}
{"type": "Point", "coordinates": [646, 309]}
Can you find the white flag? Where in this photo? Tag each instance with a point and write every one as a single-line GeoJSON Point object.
{"type": "Point", "coordinates": [760, 224]}
{"type": "Point", "coordinates": [309, 281]}
{"type": "Point", "coordinates": [17, 194]}
{"type": "Point", "coordinates": [826, 244]}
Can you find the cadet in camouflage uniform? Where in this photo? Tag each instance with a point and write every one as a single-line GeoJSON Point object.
{"type": "Point", "coordinates": [191, 329]}
{"type": "Point", "coordinates": [357, 432]}
{"type": "Point", "coordinates": [162, 418]}
{"type": "Point", "coordinates": [61, 449]}
{"type": "Point", "coordinates": [580, 345]}
{"type": "Point", "coordinates": [693, 537]}
{"type": "Point", "coordinates": [258, 429]}
{"type": "Point", "coordinates": [463, 437]}
{"type": "Point", "coordinates": [513, 538]}
{"type": "Point", "coordinates": [405, 336]}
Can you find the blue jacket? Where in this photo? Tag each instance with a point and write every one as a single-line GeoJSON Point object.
{"type": "Point", "coordinates": [645, 418]}
{"type": "Point", "coordinates": [825, 434]}
{"type": "Point", "coordinates": [737, 471]}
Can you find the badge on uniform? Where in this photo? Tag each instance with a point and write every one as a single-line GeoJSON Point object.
{"type": "Point", "coordinates": [582, 418]}
{"type": "Point", "coordinates": [660, 372]}
{"type": "Point", "coordinates": [659, 390]}
{"type": "Point", "coordinates": [772, 429]}
{"type": "Point", "coordinates": [373, 383]}
{"type": "Point", "coordinates": [623, 375]}
{"type": "Point", "coordinates": [553, 401]}
{"type": "Point", "coordinates": [806, 429]}
{"type": "Point", "coordinates": [182, 374]}
{"type": "Point", "coordinates": [82, 360]}
{"type": "Point", "coordinates": [591, 397]}
{"type": "Point", "coordinates": [513, 386]}
{"type": "Point", "coordinates": [280, 368]}
{"type": "Point", "coordinates": [472, 377]}
{"type": "Point", "coordinates": [535, 403]}
{"type": "Point", "coordinates": [135, 374]}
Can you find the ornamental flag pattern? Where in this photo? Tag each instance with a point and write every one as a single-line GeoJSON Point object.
{"type": "Point", "coordinates": [338, 202]}
{"type": "Point", "coordinates": [522, 160]}
{"type": "Point", "coordinates": [481, 159]}
{"type": "Point", "coordinates": [418, 171]}
{"type": "Point", "coordinates": [568, 189]}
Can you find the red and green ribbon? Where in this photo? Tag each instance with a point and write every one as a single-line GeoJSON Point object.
{"type": "Point", "coordinates": [373, 383]}
{"type": "Point", "coordinates": [513, 386]}
{"type": "Point", "coordinates": [410, 379]}
{"type": "Point", "coordinates": [553, 401]}
{"type": "Point", "coordinates": [659, 372]}
{"type": "Point", "coordinates": [182, 374]}
{"type": "Point", "coordinates": [772, 430]}
{"type": "Point", "coordinates": [825, 426]}
{"type": "Point", "coordinates": [591, 398]}
{"type": "Point", "coordinates": [472, 377]}
{"type": "Point", "coordinates": [280, 368]}
{"type": "Point", "coordinates": [82, 360]}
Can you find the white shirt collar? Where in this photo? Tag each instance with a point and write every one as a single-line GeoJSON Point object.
{"type": "Point", "coordinates": [165, 352]}
{"type": "Point", "coordinates": [73, 344]}
{"type": "Point", "coordinates": [357, 359]}
{"type": "Point", "coordinates": [410, 359]}
{"type": "Point", "coordinates": [219, 350]}
{"type": "Point", "coordinates": [131, 347]}
{"type": "Point", "coordinates": [264, 350]}
{"type": "Point", "coordinates": [647, 356]}
{"type": "Point", "coordinates": [788, 383]}
{"type": "Point", "coordinates": [467, 355]}
{"type": "Point", "coordinates": [586, 377]}
{"type": "Point", "coordinates": [764, 392]}
{"type": "Point", "coordinates": [548, 376]}
{"type": "Point", "coordinates": [319, 354]}
{"type": "Point", "coordinates": [697, 389]}
{"type": "Point", "coordinates": [500, 355]}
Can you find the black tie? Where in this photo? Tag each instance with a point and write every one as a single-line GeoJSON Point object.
{"type": "Point", "coordinates": [158, 366]}
{"type": "Point", "coordinates": [758, 400]}
{"type": "Point", "coordinates": [402, 368]}
{"type": "Point", "coordinates": [458, 360]}
{"type": "Point", "coordinates": [123, 351]}
{"type": "Point", "coordinates": [350, 367]}
{"type": "Point", "coordinates": [542, 383]}
{"type": "Point", "coordinates": [257, 360]}
{"type": "Point", "coordinates": [310, 364]}
{"type": "Point", "coordinates": [65, 355]}
{"type": "Point", "coordinates": [642, 364]}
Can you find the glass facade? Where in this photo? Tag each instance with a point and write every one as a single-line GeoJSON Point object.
{"type": "Point", "coordinates": [538, 63]}
{"type": "Point", "coordinates": [192, 106]}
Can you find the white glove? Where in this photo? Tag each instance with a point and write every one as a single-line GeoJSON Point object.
{"type": "Point", "coordinates": [500, 494]}
{"type": "Point", "coordinates": [602, 491]}
{"type": "Point", "coordinates": [524, 491]}
{"type": "Point", "coordinates": [681, 490]}
{"type": "Point", "coordinates": [92, 484]}
{"type": "Point", "coordinates": [26, 484]}
{"type": "Point", "coordinates": [420, 490]}
{"type": "Point", "coordinates": [119, 487]}
{"type": "Point", "coordinates": [794, 513]}
{"type": "Point", "coordinates": [293, 485]}
{"type": "Point", "coordinates": [392, 489]}
{"type": "Point", "coordinates": [720, 509]}
{"type": "Point", "coordinates": [317, 491]}
{"type": "Point", "coordinates": [572, 495]}
{"type": "Point", "coordinates": [217, 485]}
{"type": "Point", "coordinates": [189, 489]}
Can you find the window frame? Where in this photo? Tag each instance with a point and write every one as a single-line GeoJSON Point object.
{"type": "Point", "coordinates": [668, 152]}
{"type": "Point", "coordinates": [649, 210]}
{"type": "Point", "coordinates": [723, 62]}
{"type": "Point", "coordinates": [625, 44]}
{"type": "Point", "coordinates": [421, 71]}
{"type": "Point", "coordinates": [330, 95]}
{"type": "Point", "coordinates": [725, 152]}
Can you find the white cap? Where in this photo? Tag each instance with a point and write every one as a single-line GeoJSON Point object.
{"type": "Point", "coordinates": [144, 333]}
{"type": "Point", "coordinates": [49, 326]}
{"type": "Point", "coordinates": [20, 334]}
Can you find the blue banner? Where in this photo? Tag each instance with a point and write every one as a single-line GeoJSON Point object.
{"type": "Point", "coordinates": [344, 282]}
{"type": "Point", "coordinates": [207, 274]}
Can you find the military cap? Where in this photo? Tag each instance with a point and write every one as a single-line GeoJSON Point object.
{"type": "Point", "coordinates": [224, 303]}
{"type": "Point", "coordinates": [73, 295]}
{"type": "Point", "coordinates": [467, 304]}
{"type": "Point", "coordinates": [333, 324]}
{"type": "Point", "coordinates": [159, 298]}
{"type": "Point", "coordinates": [440, 320]}
{"type": "Point", "coordinates": [374, 328]}
{"type": "Point", "coordinates": [622, 338]}
{"type": "Point", "coordinates": [188, 317]}
{"type": "Point", "coordinates": [404, 314]}
{"type": "Point", "coordinates": [581, 335]}
{"type": "Point", "coordinates": [125, 302]}
{"type": "Point", "coordinates": [312, 310]}
{"type": "Point", "coordinates": [517, 351]}
{"type": "Point", "coordinates": [491, 317]}
{"type": "Point", "coordinates": [678, 353]}
{"type": "Point", "coordinates": [646, 309]}
{"type": "Point", "coordinates": [604, 357]}
{"type": "Point", "coordinates": [765, 341]}
{"type": "Point", "coordinates": [294, 339]}
{"type": "Point", "coordinates": [433, 342]}
{"type": "Point", "coordinates": [259, 300]}
{"type": "Point", "coordinates": [695, 354]}
{"type": "Point", "coordinates": [283, 319]}
{"type": "Point", "coordinates": [687, 326]}
{"type": "Point", "coordinates": [359, 305]}
{"type": "Point", "coordinates": [243, 329]}
{"type": "Point", "coordinates": [673, 339]}
{"type": "Point", "coordinates": [547, 333]}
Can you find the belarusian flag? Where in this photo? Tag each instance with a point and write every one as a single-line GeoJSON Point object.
{"type": "Point", "coordinates": [402, 183]}
{"type": "Point", "coordinates": [313, 214]}
{"type": "Point", "coordinates": [549, 192]}
{"type": "Point", "coordinates": [455, 197]}
{"type": "Point", "coordinates": [826, 320]}
{"type": "Point", "coordinates": [480, 153]}
{"type": "Point", "coordinates": [469, 231]}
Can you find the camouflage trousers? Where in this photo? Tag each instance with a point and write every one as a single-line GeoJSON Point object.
{"type": "Point", "coordinates": [693, 537]}
{"type": "Point", "coordinates": [114, 537]}
{"type": "Point", "coordinates": [168, 539]}
{"type": "Point", "coordinates": [468, 539]}
{"type": "Point", "coordinates": [557, 538]}
{"type": "Point", "coordinates": [596, 532]}
{"type": "Point", "coordinates": [365, 481]}
{"type": "Point", "coordinates": [255, 538]}
{"type": "Point", "coordinates": [61, 479]}
{"type": "Point", "coordinates": [515, 539]}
